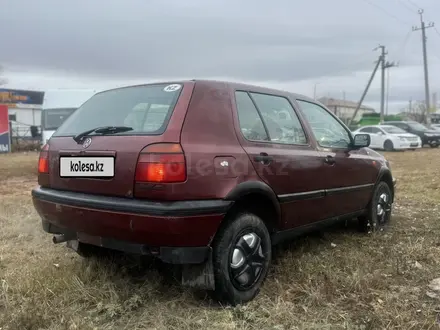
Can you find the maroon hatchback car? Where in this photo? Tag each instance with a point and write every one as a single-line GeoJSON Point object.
{"type": "Point", "coordinates": [206, 175]}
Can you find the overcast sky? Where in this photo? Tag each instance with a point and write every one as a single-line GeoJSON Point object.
{"type": "Point", "coordinates": [280, 43]}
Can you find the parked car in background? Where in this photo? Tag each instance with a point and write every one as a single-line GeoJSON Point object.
{"type": "Point", "coordinates": [389, 138]}
{"type": "Point", "coordinates": [436, 127]}
{"type": "Point", "coordinates": [428, 136]}
{"type": "Point", "coordinates": [209, 177]}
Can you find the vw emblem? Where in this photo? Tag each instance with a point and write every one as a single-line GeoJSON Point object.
{"type": "Point", "coordinates": [87, 142]}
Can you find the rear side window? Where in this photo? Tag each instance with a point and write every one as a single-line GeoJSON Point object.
{"type": "Point", "coordinates": [250, 122]}
{"type": "Point", "coordinates": [146, 109]}
{"type": "Point", "coordinates": [366, 130]}
{"type": "Point", "coordinates": [280, 119]}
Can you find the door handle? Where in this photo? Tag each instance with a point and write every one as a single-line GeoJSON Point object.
{"type": "Point", "coordinates": [329, 160]}
{"type": "Point", "coordinates": [263, 158]}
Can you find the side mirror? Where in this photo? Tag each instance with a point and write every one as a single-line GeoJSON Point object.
{"type": "Point", "coordinates": [361, 141]}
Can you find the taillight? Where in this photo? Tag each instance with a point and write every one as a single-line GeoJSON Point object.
{"type": "Point", "coordinates": [161, 163]}
{"type": "Point", "coordinates": [43, 161]}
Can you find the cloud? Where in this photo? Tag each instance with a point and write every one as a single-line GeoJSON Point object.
{"type": "Point", "coordinates": [278, 43]}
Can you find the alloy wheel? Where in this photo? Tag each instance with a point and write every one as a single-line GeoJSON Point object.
{"type": "Point", "coordinates": [383, 208]}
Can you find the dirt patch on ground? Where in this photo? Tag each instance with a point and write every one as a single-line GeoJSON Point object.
{"type": "Point", "coordinates": [335, 280]}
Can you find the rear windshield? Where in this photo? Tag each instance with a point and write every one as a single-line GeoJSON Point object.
{"type": "Point", "coordinates": [146, 109]}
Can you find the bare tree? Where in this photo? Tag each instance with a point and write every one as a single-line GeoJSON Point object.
{"type": "Point", "coordinates": [419, 112]}
{"type": "Point", "coordinates": [416, 112]}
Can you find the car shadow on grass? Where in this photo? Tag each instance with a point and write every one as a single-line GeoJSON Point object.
{"type": "Point", "coordinates": [139, 270]}
{"type": "Point", "coordinates": [316, 239]}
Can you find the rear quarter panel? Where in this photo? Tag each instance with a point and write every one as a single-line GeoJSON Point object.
{"type": "Point", "coordinates": [208, 137]}
{"type": "Point", "coordinates": [209, 140]}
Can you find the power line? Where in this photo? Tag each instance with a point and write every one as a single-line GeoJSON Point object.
{"type": "Point", "coordinates": [435, 55]}
{"type": "Point", "coordinates": [387, 12]}
{"type": "Point", "coordinates": [406, 6]}
{"type": "Point", "coordinates": [350, 66]}
{"type": "Point", "coordinates": [438, 33]}
{"type": "Point", "coordinates": [400, 51]}
{"type": "Point", "coordinates": [385, 65]}
{"type": "Point", "coordinates": [413, 4]}
{"type": "Point", "coordinates": [378, 62]}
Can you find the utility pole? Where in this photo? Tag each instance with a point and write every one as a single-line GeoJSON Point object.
{"type": "Point", "coordinates": [410, 106]}
{"type": "Point", "coordinates": [388, 92]}
{"type": "Point", "coordinates": [385, 65]}
{"type": "Point", "coordinates": [366, 90]}
{"type": "Point", "coordinates": [382, 82]}
{"type": "Point", "coordinates": [388, 66]}
{"type": "Point", "coordinates": [425, 62]}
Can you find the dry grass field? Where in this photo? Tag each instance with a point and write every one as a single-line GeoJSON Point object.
{"type": "Point", "coordinates": [339, 279]}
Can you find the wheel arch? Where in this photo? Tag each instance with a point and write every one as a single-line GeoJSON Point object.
{"type": "Point", "coordinates": [259, 198]}
{"type": "Point", "coordinates": [386, 176]}
{"type": "Point", "coordinates": [390, 141]}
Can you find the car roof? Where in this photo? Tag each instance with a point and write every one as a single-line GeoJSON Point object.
{"type": "Point", "coordinates": [390, 126]}
{"type": "Point", "coordinates": [228, 84]}
{"type": "Point", "coordinates": [370, 126]}
{"type": "Point", "coordinates": [378, 126]}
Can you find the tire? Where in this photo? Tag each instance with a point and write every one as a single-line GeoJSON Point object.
{"type": "Point", "coordinates": [379, 210]}
{"type": "Point", "coordinates": [245, 236]}
{"type": "Point", "coordinates": [388, 145]}
{"type": "Point", "coordinates": [433, 145]}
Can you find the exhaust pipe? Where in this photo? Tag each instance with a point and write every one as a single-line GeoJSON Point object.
{"type": "Point", "coordinates": [60, 239]}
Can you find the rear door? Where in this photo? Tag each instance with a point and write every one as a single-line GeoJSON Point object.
{"type": "Point", "coordinates": [348, 175]}
{"type": "Point", "coordinates": [106, 164]}
{"type": "Point", "coordinates": [271, 134]}
{"type": "Point", "coordinates": [379, 137]}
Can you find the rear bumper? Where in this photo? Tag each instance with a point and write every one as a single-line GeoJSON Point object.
{"type": "Point", "coordinates": [176, 232]}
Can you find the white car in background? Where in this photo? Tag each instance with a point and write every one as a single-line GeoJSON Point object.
{"type": "Point", "coordinates": [388, 137]}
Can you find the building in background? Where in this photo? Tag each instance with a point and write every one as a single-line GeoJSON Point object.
{"type": "Point", "coordinates": [58, 105]}
{"type": "Point", "coordinates": [344, 109]}
{"type": "Point", "coordinates": [24, 109]}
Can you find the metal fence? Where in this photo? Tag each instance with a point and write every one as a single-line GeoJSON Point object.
{"type": "Point", "coordinates": [24, 137]}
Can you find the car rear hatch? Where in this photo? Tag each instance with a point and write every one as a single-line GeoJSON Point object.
{"type": "Point", "coordinates": [104, 162]}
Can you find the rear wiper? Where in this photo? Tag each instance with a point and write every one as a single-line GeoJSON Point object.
{"type": "Point", "coordinates": [102, 130]}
